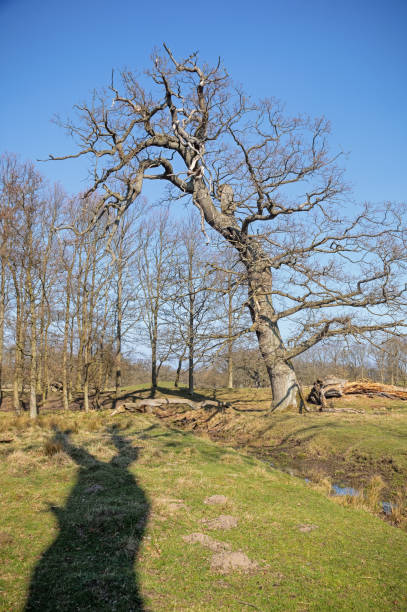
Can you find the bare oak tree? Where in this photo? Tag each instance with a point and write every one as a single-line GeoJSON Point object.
{"type": "Point", "coordinates": [268, 185]}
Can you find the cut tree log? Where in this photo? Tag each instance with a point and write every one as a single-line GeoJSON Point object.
{"type": "Point", "coordinates": [338, 387]}
{"type": "Point", "coordinates": [327, 388]}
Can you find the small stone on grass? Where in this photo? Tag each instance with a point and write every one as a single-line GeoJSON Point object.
{"type": "Point", "coordinates": [216, 499]}
{"type": "Point", "coordinates": [307, 528]}
{"type": "Point", "coordinates": [224, 521]}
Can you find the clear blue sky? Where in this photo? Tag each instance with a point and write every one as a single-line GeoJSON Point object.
{"type": "Point", "coordinates": [344, 59]}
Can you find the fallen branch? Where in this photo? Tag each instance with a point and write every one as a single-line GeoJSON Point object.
{"type": "Point", "coordinates": [148, 405]}
{"type": "Point", "coordinates": [336, 387]}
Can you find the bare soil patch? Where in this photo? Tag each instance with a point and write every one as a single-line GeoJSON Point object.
{"type": "Point", "coordinates": [206, 541]}
{"type": "Point", "coordinates": [224, 521]}
{"type": "Point", "coordinates": [226, 562]}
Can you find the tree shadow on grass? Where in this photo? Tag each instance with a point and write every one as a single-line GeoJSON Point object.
{"type": "Point", "coordinates": [90, 566]}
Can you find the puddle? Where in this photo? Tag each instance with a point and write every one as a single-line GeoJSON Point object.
{"type": "Point", "coordinates": [337, 490]}
{"type": "Point", "coordinates": [387, 507]}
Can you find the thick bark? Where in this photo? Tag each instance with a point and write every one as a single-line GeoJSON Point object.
{"type": "Point", "coordinates": [282, 376]}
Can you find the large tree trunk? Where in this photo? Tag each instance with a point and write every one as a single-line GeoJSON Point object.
{"type": "Point", "coordinates": [281, 372]}
{"type": "Point", "coordinates": [284, 385]}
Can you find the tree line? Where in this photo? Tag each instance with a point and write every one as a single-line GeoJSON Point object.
{"type": "Point", "coordinates": [75, 307]}
{"type": "Point", "coordinates": [164, 298]}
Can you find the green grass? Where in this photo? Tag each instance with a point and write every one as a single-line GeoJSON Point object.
{"type": "Point", "coordinates": [99, 525]}
{"type": "Point", "coordinates": [349, 447]}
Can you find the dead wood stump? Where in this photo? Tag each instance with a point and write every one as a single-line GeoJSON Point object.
{"type": "Point", "coordinates": [337, 387]}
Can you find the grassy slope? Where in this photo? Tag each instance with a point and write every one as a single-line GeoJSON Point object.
{"type": "Point", "coordinates": [348, 447]}
{"type": "Point", "coordinates": [85, 540]}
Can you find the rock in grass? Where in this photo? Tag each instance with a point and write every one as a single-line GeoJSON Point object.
{"type": "Point", "coordinates": [224, 521]}
{"type": "Point", "coordinates": [216, 499]}
{"type": "Point", "coordinates": [307, 528]}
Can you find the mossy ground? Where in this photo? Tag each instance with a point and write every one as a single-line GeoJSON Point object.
{"type": "Point", "coordinates": [96, 522]}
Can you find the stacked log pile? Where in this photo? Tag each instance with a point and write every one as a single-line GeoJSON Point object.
{"type": "Point", "coordinates": [337, 387]}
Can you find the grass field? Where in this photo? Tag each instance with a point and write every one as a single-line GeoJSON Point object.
{"type": "Point", "coordinates": [367, 439]}
{"type": "Point", "coordinates": [98, 512]}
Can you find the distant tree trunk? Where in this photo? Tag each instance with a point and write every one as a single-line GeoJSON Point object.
{"type": "Point", "coordinates": [230, 333]}
{"type": "Point", "coordinates": [191, 320]}
{"type": "Point", "coordinates": [85, 347]}
{"type": "Point", "coordinates": [2, 313]}
{"type": "Point", "coordinates": [119, 318]}
{"type": "Point", "coordinates": [191, 368]}
{"type": "Point", "coordinates": [154, 381]}
{"type": "Point", "coordinates": [102, 366]}
{"type": "Point", "coordinates": [179, 369]}
{"type": "Point", "coordinates": [65, 374]}
{"type": "Point", "coordinates": [19, 342]}
{"type": "Point", "coordinates": [71, 358]}
{"type": "Point", "coordinates": [85, 384]}
{"type": "Point", "coordinates": [33, 340]}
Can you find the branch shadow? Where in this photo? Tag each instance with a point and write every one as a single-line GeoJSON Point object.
{"type": "Point", "coordinates": [90, 565]}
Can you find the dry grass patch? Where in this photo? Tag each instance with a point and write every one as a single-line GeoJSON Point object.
{"type": "Point", "coordinates": [21, 462]}
{"type": "Point", "coordinates": [232, 459]}
{"type": "Point", "coordinates": [52, 447]}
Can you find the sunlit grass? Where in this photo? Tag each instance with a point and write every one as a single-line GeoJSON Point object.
{"type": "Point", "coordinates": [302, 541]}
